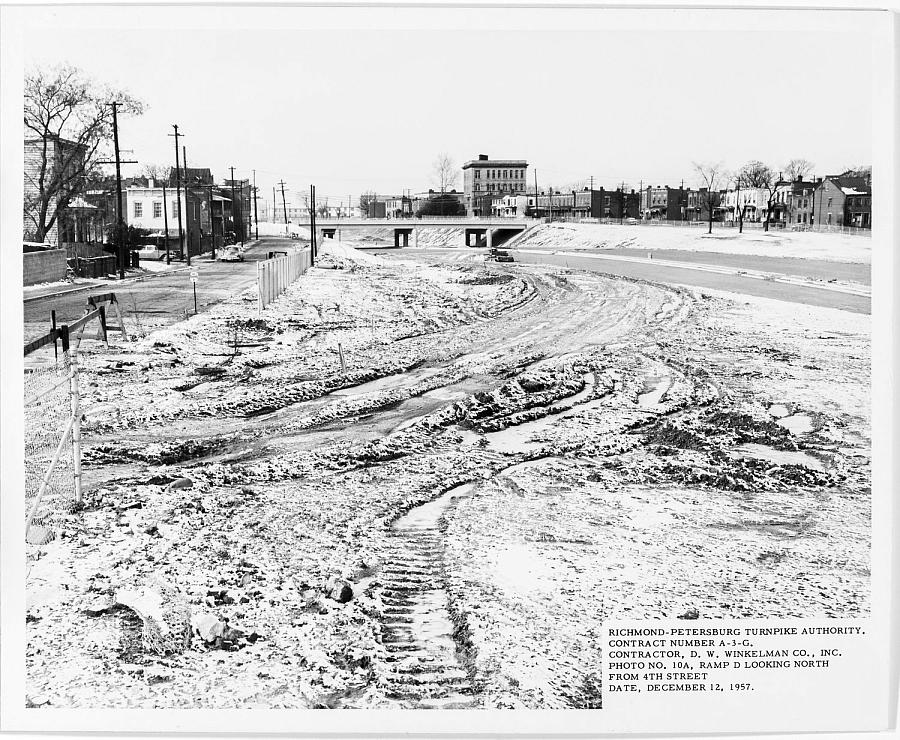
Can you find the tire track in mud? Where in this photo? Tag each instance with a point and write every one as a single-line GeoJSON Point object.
{"type": "Point", "coordinates": [426, 663]}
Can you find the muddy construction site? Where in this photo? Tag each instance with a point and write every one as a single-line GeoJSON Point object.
{"type": "Point", "coordinates": [428, 482]}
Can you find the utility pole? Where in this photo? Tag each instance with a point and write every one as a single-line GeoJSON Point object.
{"type": "Point", "coordinates": [283, 203]}
{"type": "Point", "coordinates": [178, 192]}
{"type": "Point", "coordinates": [812, 212]}
{"type": "Point", "coordinates": [187, 207]}
{"type": "Point", "coordinates": [255, 207]}
{"type": "Point", "coordinates": [536, 211]}
{"type": "Point", "coordinates": [312, 223]}
{"type": "Point", "coordinates": [120, 216]}
{"type": "Point", "coordinates": [212, 223]}
{"type": "Point", "coordinates": [166, 223]}
{"type": "Point", "coordinates": [641, 201]}
{"type": "Point", "coordinates": [120, 237]}
{"type": "Point", "coordinates": [233, 203]}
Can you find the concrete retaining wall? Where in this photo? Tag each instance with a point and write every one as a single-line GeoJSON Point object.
{"type": "Point", "coordinates": [43, 267]}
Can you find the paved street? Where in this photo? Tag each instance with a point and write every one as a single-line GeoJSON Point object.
{"type": "Point", "coordinates": [698, 278]}
{"type": "Point", "coordinates": [160, 298]}
{"type": "Point", "coordinates": [820, 269]}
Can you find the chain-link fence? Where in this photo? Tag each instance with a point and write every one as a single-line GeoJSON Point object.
{"type": "Point", "coordinates": [52, 443]}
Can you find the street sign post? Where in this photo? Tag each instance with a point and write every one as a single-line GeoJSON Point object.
{"type": "Point", "coordinates": [195, 276]}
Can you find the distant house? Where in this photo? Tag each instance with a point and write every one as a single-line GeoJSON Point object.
{"type": "Point", "coordinates": [802, 203]}
{"type": "Point", "coordinates": [662, 203]}
{"type": "Point", "coordinates": [844, 200]}
{"type": "Point", "coordinates": [54, 165]}
{"type": "Point", "coordinates": [430, 202]}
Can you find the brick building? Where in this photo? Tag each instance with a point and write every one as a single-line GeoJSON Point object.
{"type": "Point", "coordinates": [662, 203]}
{"type": "Point", "coordinates": [485, 178]}
{"type": "Point", "coordinates": [801, 208]}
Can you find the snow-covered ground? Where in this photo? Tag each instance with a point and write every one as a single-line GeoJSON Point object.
{"type": "Point", "coordinates": [775, 243]}
{"type": "Point", "coordinates": [425, 481]}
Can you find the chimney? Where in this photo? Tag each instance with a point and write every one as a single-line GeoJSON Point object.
{"type": "Point", "coordinates": [482, 157]}
{"type": "Point", "coordinates": [151, 183]}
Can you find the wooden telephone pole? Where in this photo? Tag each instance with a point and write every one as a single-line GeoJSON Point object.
{"type": "Point", "coordinates": [283, 203]}
{"type": "Point", "coordinates": [255, 207]}
{"type": "Point", "coordinates": [178, 192]}
{"type": "Point", "coordinates": [120, 215]}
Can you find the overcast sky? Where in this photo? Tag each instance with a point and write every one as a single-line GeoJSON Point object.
{"type": "Point", "coordinates": [352, 110]}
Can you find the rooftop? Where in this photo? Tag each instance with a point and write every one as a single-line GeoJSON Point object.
{"type": "Point", "coordinates": [484, 161]}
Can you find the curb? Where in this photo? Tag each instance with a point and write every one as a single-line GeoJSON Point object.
{"type": "Point", "coordinates": [126, 281]}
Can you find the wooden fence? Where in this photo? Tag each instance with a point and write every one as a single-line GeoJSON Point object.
{"type": "Point", "coordinates": [275, 274]}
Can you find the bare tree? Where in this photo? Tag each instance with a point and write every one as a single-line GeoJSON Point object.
{"type": "Point", "coordinates": [68, 117]}
{"type": "Point", "coordinates": [711, 176]}
{"type": "Point", "coordinates": [445, 172]}
{"type": "Point", "coordinates": [797, 169]}
{"type": "Point", "coordinates": [859, 171]}
{"type": "Point", "coordinates": [761, 177]}
{"type": "Point", "coordinates": [157, 172]}
{"type": "Point", "coordinates": [736, 180]}
{"type": "Point", "coordinates": [364, 200]}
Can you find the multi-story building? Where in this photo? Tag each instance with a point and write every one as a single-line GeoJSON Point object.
{"type": "Point", "coordinates": [617, 204]}
{"type": "Point", "coordinates": [752, 201]}
{"type": "Point", "coordinates": [242, 208]}
{"type": "Point", "coordinates": [485, 178]}
{"type": "Point", "coordinates": [156, 209]}
{"type": "Point", "coordinates": [511, 206]}
{"type": "Point", "coordinates": [53, 165]}
{"type": "Point", "coordinates": [662, 203]}
{"type": "Point", "coordinates": [398, 206]}
{"type": "Point", "coordinates": [844, 200]}
{"type": "Point", "coordinates": [801, 207]}
{"type": "Point", "coordinates": [207, 210]}
{"type": "Point", "coordinates": [586, 203]}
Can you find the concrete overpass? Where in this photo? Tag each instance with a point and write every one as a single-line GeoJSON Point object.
{"type": "Point", "coordinates": [477, 232]}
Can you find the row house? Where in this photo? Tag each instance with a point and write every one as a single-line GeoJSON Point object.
{"type": "Point", "coordinates": [204, 212]}
{"type": "Point", "coordinates": [749, 201]}
{"type": "Point", "coordinates": [207, 211]}
{"type": "Point", "coordinates": [803, 203]}
{"type": "Point", "coordinates": [843, 200]}
{"type": "Point", "coordinates": [662, 203]}
{"type": "Point", "coordinates": [586, 203]}
{"type": "Point", "coordinates": [398, 206]}
{"type": "Point", "coordinates": [619, 204]}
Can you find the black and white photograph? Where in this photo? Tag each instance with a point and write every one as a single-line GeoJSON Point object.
{"type": "Point", "coordinates": [384, 358]}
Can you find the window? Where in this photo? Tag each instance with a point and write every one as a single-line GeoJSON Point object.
{"type": "Point", "coordinates": [174, 210]}
{"type": "Point", "coordinates": [477, 174]}
{"type": "Point", "coordinates": [157, 209]}
{"type": "Point", "coordinates": [138, 209]}
{"type": "Point", "coordinates": [829, 205]}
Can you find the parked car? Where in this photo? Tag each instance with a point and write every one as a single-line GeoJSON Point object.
{"type": "Point", "coordinates": [631, 221]}
{"type": "Point", "coordinates": [231, 253]}
{"type": "Point", "coordinates": [154, 252]}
